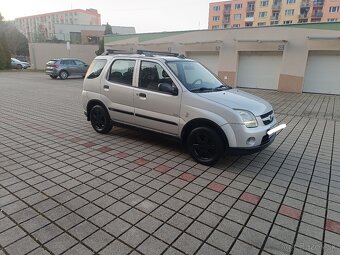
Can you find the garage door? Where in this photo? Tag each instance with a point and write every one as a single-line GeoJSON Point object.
{"type": "Point", "coordinates": [259, 70]}
{"type": "Point", "coordinates": [208, 59]}
{"type": "Point", "coordinates": [322, 74]}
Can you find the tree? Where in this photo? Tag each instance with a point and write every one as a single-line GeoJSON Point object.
{"type": "Point", "coordinates": [107, 31]}
{"type": "Point", "coordinates": [5, 55]}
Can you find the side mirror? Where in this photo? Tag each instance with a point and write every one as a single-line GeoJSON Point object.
{"type": "Point", "coordinates": [167, 88]}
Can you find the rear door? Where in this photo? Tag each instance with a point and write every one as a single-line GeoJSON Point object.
{"type": "Point", "coordinates": [155, 109]}
{"type": "Point", "coordinates": [81, 67]}
{"type": "Point", "coordinates": [117, 90]}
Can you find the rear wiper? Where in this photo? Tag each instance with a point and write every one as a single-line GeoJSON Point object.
{"type": "Point", "coordinates": [201, 89]}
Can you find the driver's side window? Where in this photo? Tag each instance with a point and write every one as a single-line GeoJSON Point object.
{"type": "Point", "coordinates": [151, 74]}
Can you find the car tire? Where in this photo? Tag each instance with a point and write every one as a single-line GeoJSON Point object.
{"type": "Point", "coordinates": [100, 119]}
{"type": "Point", "coordinates": [205, 145]}
{"type": "Point", "coordinates": [63, 75]}
{"type": "Point", "coordinates": [53, 76]}
{"type": "Point", "coordinates": [20, 66]}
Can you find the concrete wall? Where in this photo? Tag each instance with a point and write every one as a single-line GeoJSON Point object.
{"type": "Point", "coordinates": [40, 53]}
{"type": "Point", "coordinates": [293, 42]}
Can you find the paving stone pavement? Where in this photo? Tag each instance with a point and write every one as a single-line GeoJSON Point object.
{"type": "Point", "coordinates": [65, 189]}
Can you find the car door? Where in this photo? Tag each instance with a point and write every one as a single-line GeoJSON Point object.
{"type": "Point", "coordinates": [81, 67]}
{"type": "Point", "coordinates": [155, 109]}
{"type": "Point", "coordinates": [117, 90]}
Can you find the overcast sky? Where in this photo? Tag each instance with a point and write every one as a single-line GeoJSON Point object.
{"type": "Point", "coordinates": [144, 15]}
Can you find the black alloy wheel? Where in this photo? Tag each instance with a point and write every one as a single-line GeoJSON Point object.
{"type": "Point", "coordinates": [100, 119]}
{"type": "Point", "coordinates": [205, 145]}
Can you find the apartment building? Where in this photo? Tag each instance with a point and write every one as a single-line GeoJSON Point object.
{"type": "Point", "coordinates": [245, 13]}
{"type": "Point", "coordinates": [42, 27]}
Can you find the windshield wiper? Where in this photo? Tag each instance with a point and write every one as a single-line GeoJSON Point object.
{"type": "Point", "coordinates": [201, 89]}
{"type": "Point", "coordinates": [221, 87]}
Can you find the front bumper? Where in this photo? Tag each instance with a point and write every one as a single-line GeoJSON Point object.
{"type": "Point", "coordinates": [266, 141]}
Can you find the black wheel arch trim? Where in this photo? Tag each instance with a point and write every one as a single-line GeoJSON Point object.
{"type": "Point", "coordinates": [92, 103]}
{"type": "Point", "coordinates": [202, 122]}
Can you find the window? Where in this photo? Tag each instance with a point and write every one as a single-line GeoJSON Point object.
{"type": "Point", "coordinates": [67, 62]}
{"type": "Point", "coordinates": [332, 20]}
{"type": "Point", "coordinates": [215, 27]}
{"type": "Point", "coordinates": [261, 24]}
{"type": "Point", "coordinates": [227, 7]}
{"type": "Point", "coordinates": [216, 8]}
{"type": "Point", "coordinates": [237, 16]}
{"type": "Point", "coordinates": [96, 68]}
{"type": "Point", "coordinates": [122, 71]}
{"type": "Point", "coordinates": [262, 14]}
{"type": "Point", "coordinates": [79, 63]}
{"type": "Point", "coordinates": [238, 6]}
{"type": "Point", "coordinates": [250, 14]}
{"type": "Point", "coordinates": [264, 3]}
{"type": "Point", "coordinates": [290, 1]}
{"type": "Point", "coordinates": [275, 22]}
{"type": "Point", "coordinates": [334, 9]}
{"type": "Point", "coordinates": [236, 25]}
{"type": "Point", "coordinates": [287, 22]}
{"type": "Point", "coordinates": [151, 75]}
{"type": "Point", "coordinates": [289, 12]}
{"type": "Point", "coordinates": [216, 18]}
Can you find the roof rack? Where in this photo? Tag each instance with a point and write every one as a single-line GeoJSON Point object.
{"type": "Point", "coordinates": [112, 51]}
{"type": "Point", "coordinates": [151, 53]}
{"type": "Point", "coordinates": [147, 53]}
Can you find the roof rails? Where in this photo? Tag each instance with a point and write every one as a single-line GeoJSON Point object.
{"type": "Point", "coordinates": [147, 53]}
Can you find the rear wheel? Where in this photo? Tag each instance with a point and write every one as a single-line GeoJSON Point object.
{"type": "Point", "coordinates": [63, 75]}
{"type": "Point", "coordinates": [100, 119]}
{"type": "Point", "coordinates": [205, 145]}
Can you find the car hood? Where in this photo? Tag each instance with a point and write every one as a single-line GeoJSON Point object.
{"type": "Point", "coordinates": [237, 99]}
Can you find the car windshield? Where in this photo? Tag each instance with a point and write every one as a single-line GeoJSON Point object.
{"type": "Point", "coordinates": [195, 77]}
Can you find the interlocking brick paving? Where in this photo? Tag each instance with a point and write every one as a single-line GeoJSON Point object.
{"type": "Point", "coordinates": [65, 189]}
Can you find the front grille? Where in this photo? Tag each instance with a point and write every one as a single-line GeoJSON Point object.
{"type": "Point", "coordinates": [267, 118]}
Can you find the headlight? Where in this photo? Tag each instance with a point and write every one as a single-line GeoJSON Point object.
{"type": "Point", "coordinates": [248, 118]}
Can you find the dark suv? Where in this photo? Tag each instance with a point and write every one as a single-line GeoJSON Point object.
{"type": "Point", "coordinates": [65, 67]}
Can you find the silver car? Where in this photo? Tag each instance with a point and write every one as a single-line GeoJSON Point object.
{"type": "Point", "coordinates": [178, 97]}
{"type": "Point", "coordinates": [65, 67]}
{"type": "Point", "coordinates": [18, 64]}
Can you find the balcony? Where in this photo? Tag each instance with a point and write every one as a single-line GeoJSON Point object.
{"type": "Point", "coordinates": [317, 14]}
{"type": "Point", "coordinates": [276, 7]}
{"type": "Point", "coordinates": [250, 8]}
{"type": "Point", "coordinates": [249, 19]}
{"type": "Point", "coordinates": [303, 16]}
{"type": "Point", "coordinates": [226, 21]}
{"type": "Point", "coordinates": [275, 17]}
{"type": "Point", "coordinates": [226, 12]}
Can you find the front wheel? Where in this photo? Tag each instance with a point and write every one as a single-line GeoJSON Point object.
{"type": "Point", "coordinates": [100, 119]}
{"type": "Point", "coordinates": [205, 145]}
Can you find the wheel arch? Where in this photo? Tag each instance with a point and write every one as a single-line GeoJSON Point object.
{"type": "Point", "coordinates": [202, 122]}
{"type": "Point", "coordinates": [92, 103]}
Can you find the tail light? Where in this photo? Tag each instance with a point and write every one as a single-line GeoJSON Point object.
{"type": "Point", "coordinates": [55, 66]}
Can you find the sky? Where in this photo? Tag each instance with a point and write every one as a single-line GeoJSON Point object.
{"type": "Point", "coordinates": [144, 15]}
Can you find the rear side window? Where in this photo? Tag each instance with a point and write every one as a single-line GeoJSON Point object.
{"type": "Point", "coordinates": [79, 63]}
{"type": "Point", "coordinates": [68, 62]}
{"type": "Point", "coordinates": [121, 71]}
{"type": "Point", "coordinates": [96, 68]}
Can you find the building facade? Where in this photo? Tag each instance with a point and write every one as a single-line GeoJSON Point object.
{"type": "Point", "coordinates": [243, 13]}
{"type": "Point", "coordinates": [41, 27]}
{"type": "Point", "coordinates": [291, 58]}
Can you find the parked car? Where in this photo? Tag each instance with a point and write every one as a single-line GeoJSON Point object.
{"type": "Point", "coordinates": [65, 67]}
{"type": "Point", "coordinates": [17, 64]}
{"type": "Point", "coordinates": [178, 97]}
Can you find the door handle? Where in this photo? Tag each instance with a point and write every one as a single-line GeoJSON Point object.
{"type": "Point", "coordinates": [106, 87]}
{"type": "Point", "coordinates": [142, 95]}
